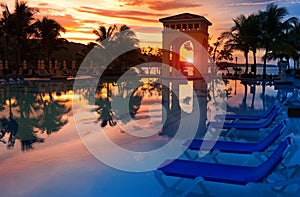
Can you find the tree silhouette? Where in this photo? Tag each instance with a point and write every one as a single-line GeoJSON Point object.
{"type": "Point", "coordinates": [267, 30]}
{"type": "Point", "coordinates": [253, 37]}
{"type": "Point", "coordinates": [105, 35]}
{"type": "Point", "coordinates": [272, 25]}
{"type": "Point", "coordinates": [6, 26]}
{"type": "Point", "coordinates": [294, 40]}
{"type": "Point", "coordinates": [48, 31]}
{"type": "Point", "coordinates": [17, 28]}
{"type": "Point", "coordinates": [113, 39]}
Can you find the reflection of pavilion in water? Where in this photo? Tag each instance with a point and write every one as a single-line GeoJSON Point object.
{"type": "Point", "coordinates": [190, 32]}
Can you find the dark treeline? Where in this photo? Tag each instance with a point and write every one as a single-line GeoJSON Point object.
{"type": "Point", "coordinates": [23, 37]}
{"type": "Point", "coordinates": [270, 31]}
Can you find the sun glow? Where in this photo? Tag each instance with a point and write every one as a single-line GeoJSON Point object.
{"type": "Point", "coordinates": [190, 60]}
{"type": "Point", "coordinates": [187, 52]}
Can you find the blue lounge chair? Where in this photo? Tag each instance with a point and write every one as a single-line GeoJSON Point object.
{"type": "Point", "coordinates": [247, 117]}
{"type": "Point", "coordinates": [224, 173]}
{"type": "Point", "coordinates": [250, 125]}
{"type": "Point", "coordinates": [236, 147]}
{"type": "Point", "coordinates": [7, 81]}
{"type": "Point", "coordinates": [15, 79]}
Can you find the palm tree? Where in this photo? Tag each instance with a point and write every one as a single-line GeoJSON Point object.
{"type": "Point", "coordinates": [126, 37]}
{"type": "Point", "coordinates": [104, 35]}
{"type": "Point", "coordinates": [237, 37]}
{"type": "Point", "coordinates": [23, 18]}
{"type": "Point", "coordinates": [6, 26]}
{"type": "Point", "coordinates": [272, 29]}
{"type": "Point", "coordinates": [253, 37]}
{"type": "Point", "coordinates": [285, 46]}
{"type": "Point", "coordinates": [294, 41]}
{"type": "Point", "coordinates": [224, 54]}
{"type": "Point", "coordinates": [17, 28]}
{"type": "Point", "coordinates": [48, 31]}
{"type": "Point", "coordinates": [122, 39]}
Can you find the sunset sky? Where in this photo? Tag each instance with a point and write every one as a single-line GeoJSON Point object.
{"type": "Point", "coordinates": [81, 17]}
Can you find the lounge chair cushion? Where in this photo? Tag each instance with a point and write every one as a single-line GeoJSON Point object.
{"type": "Point", "coordinates": [247, 117]}
{"type": "Point", "coordinates": [225, 173]}
{"type": "Point", "coordinates": [236, 147]}
{"type": "Point", "coordinates": [248, 125]}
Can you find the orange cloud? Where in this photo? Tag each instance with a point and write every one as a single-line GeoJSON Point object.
{"type": "Point", "coordinates": [83, 30]}
{"type": "Point", "coordinates": [90, 21]}
{"type": "Point", "coordinates": [43, 4]}
{"type": "Point", "coordinates": [133, 2]}
{"type": "Point", "coordinates": [125, 14]}
{"type": "Point", "coordinates": [162, 5]}
{"type": "Point", "coordinates": [66, 21]}
{"type": "Point", "coordinates": [82, 39]}
{"type": "Point", "coordinates": [146, 29]}
{"type": "Point", "coordinates": [170, 5]}
{"type": "Point", "coordinates": [49, 10]}
{"type": "Point", "coordinates": [122, 12]}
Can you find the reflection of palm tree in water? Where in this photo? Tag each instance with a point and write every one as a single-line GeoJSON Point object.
{"type": "Point", "coordinates": [244, 101]}
{"type": "Point", "coordinates": [127, 101]}
{"type": "Point", "coordinates": [51, 120]}
{"type": "Point", "coordinates": [104, 110]}
{"type": "Point", "coordinates": [253, 91]}
{"type": "Point", "coordinates": [126, 106]}
{"type": "Point", "coordinates": [27, 135]}
{"type": "Point", "coordinates": [10, 126]}
{"type": "Point", "coordinates": [4, 123]}
{"type": "Point", "coordinates": [27, 107]}
{"type": "Point", "coordinates": [106, 114]}
{"type": "Point", "coordinates": [2, 99]}
{"type": "Point", "coordinates": [12, 129]}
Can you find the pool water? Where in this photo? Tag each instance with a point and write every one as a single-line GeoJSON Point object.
{"type": "Point", "coordinates": [57, 153]}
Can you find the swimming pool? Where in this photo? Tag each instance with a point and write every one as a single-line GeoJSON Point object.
{"type": "Point", "coordinates": [49, 157]}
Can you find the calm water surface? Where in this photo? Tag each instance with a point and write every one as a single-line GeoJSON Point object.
{"type": "Point", "coordinates": [47, 145]}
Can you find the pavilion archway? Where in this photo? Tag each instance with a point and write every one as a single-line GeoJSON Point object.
{"type": "Point", "coordinates": [177, 31]}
